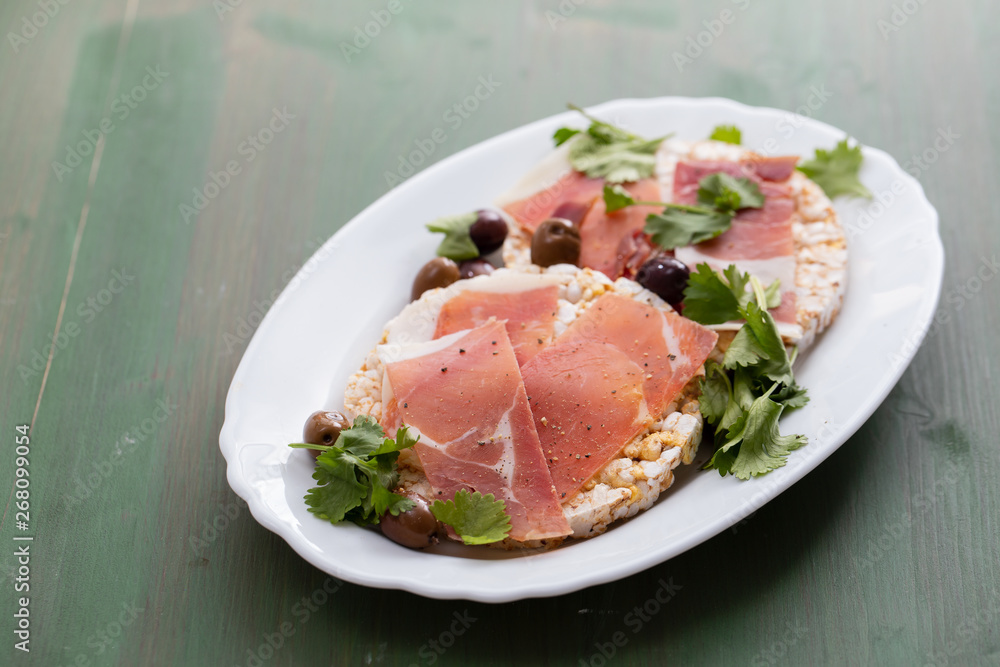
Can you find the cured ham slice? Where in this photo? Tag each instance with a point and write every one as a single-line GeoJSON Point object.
{"type": "Point", "coordinates": [633, 251]}
{"type": "Point", "coordinates": [778, 168]}
{"type": "Point", "coordinates": [572, 188]}
{"type": "Point", "coordinates": [785, 312]}
{"type": "Point", "coordinates": [602, 233]}
{"type": "Point", "coordinates": [529, 316]}
{"type": "Point", "coordinates": [588, 402]}
{"type": "Point", "coordinates": [688, 174]}
{"type": "Point", "coordinates": [668, 348]}
{"type": "Point", "coordinates": [771, 174]}
{"type": "Point", "coordinates": [610, 375]}
{"type": "Point", "coordinates": [579, 198]}
{"type": "Point", "coordinates": [756, 237]}
{"type": "Point", "coordinates": [760, 241]}
{"type": "Point", "coordinates": [463, 394]}
{"type": "Point", "coordinates": [527, 301]}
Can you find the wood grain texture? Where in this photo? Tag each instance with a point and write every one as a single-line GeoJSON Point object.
{"type": "Point", "coordinates": [888, 553]}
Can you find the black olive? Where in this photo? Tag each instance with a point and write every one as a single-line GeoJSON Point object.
{"type": "Point", "coordinates": [556, 241]}
{"type": "Point", "coordinates": [439, 272]}
{"type": "Point", "coordinates": [488, 231]}
{"type": "Point", "coordinates": [416, 528]}
{"type": "Point", "coordinates": [666, 277]}
{"type": "Point", "coordinates": [323, 428]}
{"type": "Point", "coordinates": [471, 268]}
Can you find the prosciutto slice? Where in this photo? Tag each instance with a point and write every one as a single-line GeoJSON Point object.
{"type": "Point", "coordinates": [602, 233]}
{"type": "Point", "coordinates": [529, 316]}
{"type": "Point", "coordinates": [760, 241]}
{"type": "Point", "coordinates": [463, 394]}
{"type": "Point", "coordinates": [771, 174]}
{"type": "Point", "coordinates": [527, 301]}
{"type": "Point", "coordinates": [610, 375]}
{"type": "Point", "coordinates": [572, 188]}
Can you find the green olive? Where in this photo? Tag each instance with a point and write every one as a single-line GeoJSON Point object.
{"type": "Point", "coordinates": [556, 241]}
{"type": "Point", "coordinates": [415, 528]}
{"type": "Point", "coordinates": [323, 428]}
{"type": "Point", "coordinates": [439, 272]}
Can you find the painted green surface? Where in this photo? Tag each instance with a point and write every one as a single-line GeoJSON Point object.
{"type": "Point", "coordinates": [887, 554]}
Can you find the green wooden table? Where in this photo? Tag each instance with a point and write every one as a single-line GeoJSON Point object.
{"type": "Point", "coordinates": [167, 166]}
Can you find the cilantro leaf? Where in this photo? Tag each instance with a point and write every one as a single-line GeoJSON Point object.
{"type": "Point", "coordinates": [722, 460]}
{"type": "Point", "coordinates": [728, 194]}
{"type": "Point", "coordinates": [363, 438]}
{"type": "Point", "coordinates": [727, 133]}
{"type": "Point", "coordinates": [716, 392]}
{"type": "Point", "coordinates": [679, 225]}
{"type": "Point", "coordinates": [791, 396]}
{"type": "Point", "coordinates": [744, 396]}
{"type": "Point", "coordinates": [383, 500]}
{"type": "Point", "coordinates": [727, 201]}
{"type": "Point", "coordinates": [721, 196]}
{"type": "Point", "coordinates": [836, 171]}
{"type": "Point", "coordinates": [563, 134]}
{"type": "Point", "coordinates": [477, 519]}
{"type": "Point", "coordinates": [602, 130]}
{"type": "Point", "coordinates": [741, 397]}
{"type": "Point", "coordinates": [609, 152]}
{"type": "Point", "coordinates": [457, 244]}
{"type": "Point", "coordinates": [397, 504]}
{"type": "Point", "coordinates": [761, 446]}
{"type": "Point", "coordinates": [616, 162]}
{"type": "Point", "coordinates": [403, 441]}
{"type": "Point", "coordinates": [356, 474]}
{"type": "Point", "coordinates": [738, 284]}
{"type": "Point", "coordinates": [339, 490]}
{"type": "Point", "coordinates": [686, 225]}
{"type": "Point", "coordinates": [616, 198]}
{"type": "Point", "coordinates": [758, 344]}
{"type": "Point", "coordinates": [772, 294]}
{"type": "Point", "coordinates": [708, 299]}
{"type": "Point", "coordinates": [605, 132]}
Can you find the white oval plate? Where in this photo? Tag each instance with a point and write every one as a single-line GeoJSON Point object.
{"type": "Point", "coordinates": [334, 310]}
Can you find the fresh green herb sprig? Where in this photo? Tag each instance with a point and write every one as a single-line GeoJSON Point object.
{"type": "Point", "coordinates": [356, 473]}
{"type": "Point", "coordinates": [457, 244]}
{"type": "Point", "coordinates": [725, 193]}
{"type": "Point", "coordinates": [713, 299]}
{"type": "Point", "coordinates": [607, 151]}
{"type": "Point", "coordinates": [720, 196]}
{"type": "Point", "coordinates": [617, 197]}
{"type": "Point", "coordinates": [477, 519]}
{"type": "Point", "coordinates": [727, 133]}
{"type": "Point", "coordinates": [836, 171]}
{"type": "Point", "coordinates": [745, 395]}
{"type": "Point", "coordinates": [679, 226]}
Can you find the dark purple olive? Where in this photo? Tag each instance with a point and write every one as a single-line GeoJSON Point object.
{"type": "Point", "coordinates": [416, 528]}
{"type": "Point", "coordinates": [488, 231]}
{"type": "Point", "coordinates": [666, 277]}
{"type": "Point", "coordinates": [556, 241]}
{"type": "Point", "coordinates": [323, 428]}
{"type": "Point", "coordinates": [574, 211]}
{"type": "Point", "coordinates": [471, 268]}
{"type": "Point", "coordinates": [439, 272]}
